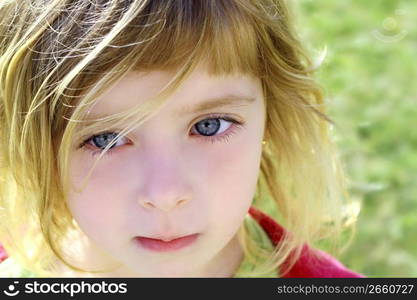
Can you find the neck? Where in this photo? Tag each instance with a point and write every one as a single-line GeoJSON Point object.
{"type": "Point", "coordinates": [226, 263]}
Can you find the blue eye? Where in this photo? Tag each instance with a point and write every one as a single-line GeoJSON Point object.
{"type": "Point", "coordinates": [99, 141]}
{"type": "Point", "coordinates": [210, 129]}
{"type": "Point", "coordinates": [213, 128]}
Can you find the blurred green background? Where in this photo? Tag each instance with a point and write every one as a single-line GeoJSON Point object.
{"type": "Point", "coordinates": [370, 81]}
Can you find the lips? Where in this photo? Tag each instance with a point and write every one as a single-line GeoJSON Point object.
{"type": "Point", "coordinates": [167, 243]}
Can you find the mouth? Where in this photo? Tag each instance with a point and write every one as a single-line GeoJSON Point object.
{"type": "Point", "coordinates": [167, 243]}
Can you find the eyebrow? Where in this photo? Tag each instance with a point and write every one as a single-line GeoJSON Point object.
{"type": "Point", "coordinates": [231, 100]}
{"type": "Point", "coordinates": [210, 103]}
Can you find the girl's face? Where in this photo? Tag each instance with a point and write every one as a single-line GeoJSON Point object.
{"type": "Point", "coordinates": [190, 169]}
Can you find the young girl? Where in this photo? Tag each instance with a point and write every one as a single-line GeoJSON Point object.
{"type": "Point", "coordinates": [140, 138]}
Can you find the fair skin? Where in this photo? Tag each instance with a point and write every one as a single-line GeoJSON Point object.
{"type": "Point", "coordinates": [166, 177]}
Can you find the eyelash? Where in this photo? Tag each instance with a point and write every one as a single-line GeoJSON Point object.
{"type": "Point", "coordinates": [213, 139]}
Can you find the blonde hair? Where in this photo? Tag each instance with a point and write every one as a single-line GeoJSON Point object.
{"type": "Point", "coordinates": [57, 57]}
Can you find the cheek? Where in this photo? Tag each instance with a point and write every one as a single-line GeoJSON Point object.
{"type": "Point", "coordinates": [96, 208]}
{"type": "Point", "coordinates": [237, 163]}
{"type": "Point", "coordinates": [233, 173]}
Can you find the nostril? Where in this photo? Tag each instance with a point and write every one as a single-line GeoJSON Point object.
{"type": "Point", "coordinates": [181, 202]}
{"type": "Point", "coordinates": [147, 204]}
{"type": "Point", "coordinates": [165, 207]}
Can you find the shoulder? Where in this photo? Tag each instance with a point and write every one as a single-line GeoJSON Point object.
{"type": "Point", "coordinates": [312, 262]}
{"type": "Point", "coordinates": [3, 254]}
{"type": "Point", "coordinates": [9, 268]}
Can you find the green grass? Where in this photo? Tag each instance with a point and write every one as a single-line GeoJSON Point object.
{"type": "Point", "coordinates": [370, 84]}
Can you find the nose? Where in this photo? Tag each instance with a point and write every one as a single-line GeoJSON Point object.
{"type": "Point", "coordinates": [166, 184]}
{"type": "Point", "coordinates": [165, 206]}
{"type": "Point", "coordinates": [164, 193]}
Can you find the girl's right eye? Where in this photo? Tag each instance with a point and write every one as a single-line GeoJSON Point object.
{"type": "Point", "coordinates": [100, 141]}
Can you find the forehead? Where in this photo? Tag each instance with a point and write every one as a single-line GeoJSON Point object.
{"type": "Point", "coordinates": [198, 92]}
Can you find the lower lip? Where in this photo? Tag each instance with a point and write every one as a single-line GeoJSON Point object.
{"type": "Point", "coordinates": [161, 246]}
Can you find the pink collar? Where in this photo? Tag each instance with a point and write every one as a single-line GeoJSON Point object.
{"type": "Point", "coordinates": [312, 263]}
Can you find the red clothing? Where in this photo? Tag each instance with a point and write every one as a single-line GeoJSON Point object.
{"type": "Point", "coordinates": [3, 254]}
{"type": "Point", "coordinates": [306, 266]}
